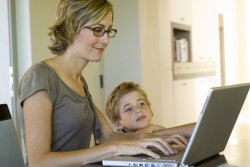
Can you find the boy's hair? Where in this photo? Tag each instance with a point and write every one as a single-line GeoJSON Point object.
{"type": "Point", "coordinates": [112, 110]}
{"type": "Point", "coordinates": [71, 17]}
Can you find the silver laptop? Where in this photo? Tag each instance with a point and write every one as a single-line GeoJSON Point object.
{"type": "Point", "coordinates": [10, 154]}
{"type": "Point", "coordinates": [209, 137]}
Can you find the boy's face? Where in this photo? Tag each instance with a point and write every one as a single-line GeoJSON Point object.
{"type": "Point", "coordinates": [134, 112]}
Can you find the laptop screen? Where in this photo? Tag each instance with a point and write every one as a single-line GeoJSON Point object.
{"type": "Point", "coordinates": [215, 122]}
{"type": "Point", "coordinates": [210, 135]}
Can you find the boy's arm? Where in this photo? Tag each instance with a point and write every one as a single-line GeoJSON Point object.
{"type": "Point", "coordinates": [183, 130]}
{"type": "Point", "coordinates": [151, 129]}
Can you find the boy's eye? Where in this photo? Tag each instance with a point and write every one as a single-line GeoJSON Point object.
{"type": "Point", "coordinates": [141, 104]}
{"type": "Point", "coordinates": [128, 109]}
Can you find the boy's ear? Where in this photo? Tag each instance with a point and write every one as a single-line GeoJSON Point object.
{"type": "Point", "coordinates": [118, 125]}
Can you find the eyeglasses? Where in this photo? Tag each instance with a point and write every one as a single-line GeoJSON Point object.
{"type": "Point", "coordinates": [100, 31]}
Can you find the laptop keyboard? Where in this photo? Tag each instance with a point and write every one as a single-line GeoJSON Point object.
{"type": "Point", "coordinates": [146, 161]}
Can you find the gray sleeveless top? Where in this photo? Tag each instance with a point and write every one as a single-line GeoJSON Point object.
{"type": "Point", "coordinates": [73, 116]}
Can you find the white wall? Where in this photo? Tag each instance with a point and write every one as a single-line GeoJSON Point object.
{"type": "Point", "coordinates": [122, 58]}
{"type": "Point", "coordinates": [23, 36]}
{"type": "Point", "coordinates": [206, 35]}
{"type": "Point", "coordinates": [229, 10]}
{"type": "Point", "coordinates": [156, 59]}
{"type": "Point", "coordinates": [42, 16]}
{"type": "Point", "coordinates": [244, 39]}
{"type": "Point", "coordinates": [244, 51]}
{"type": "Point", "coordinates": [5, 85]}
{"type": "Point", "coordinates": [246, 6]}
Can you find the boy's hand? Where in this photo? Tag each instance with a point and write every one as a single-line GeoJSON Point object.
{"type": "Point", "coordinates": [150, 129]}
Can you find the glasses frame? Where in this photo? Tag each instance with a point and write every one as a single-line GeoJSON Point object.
{"type": "Point", "coordinates": [104, 31]}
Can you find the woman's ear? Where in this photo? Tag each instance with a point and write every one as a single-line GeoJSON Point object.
{"type": "Point", "coordinates": [118, 125]}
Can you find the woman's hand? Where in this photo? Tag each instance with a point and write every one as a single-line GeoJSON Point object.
{"type": "Point", "coordinates": [144, 146]}
{"type": "Point", "coordinates": [176, 139]}
{"type": "Point", "coordinates": [157, 131]}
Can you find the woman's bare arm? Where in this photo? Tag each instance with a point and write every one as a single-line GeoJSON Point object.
{"type": "Point", "coordinates": [183, 130]}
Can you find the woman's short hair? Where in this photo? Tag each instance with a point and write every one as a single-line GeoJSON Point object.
{"type": "Point", "coordinates": [71, 17]}
{"type": "Point", "coordinates": [114, 97]}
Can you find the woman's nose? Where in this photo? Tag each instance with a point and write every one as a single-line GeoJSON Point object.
{"type": "Point", "coordinates": [105, 39]}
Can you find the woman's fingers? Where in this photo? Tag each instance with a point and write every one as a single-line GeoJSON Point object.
{"type": "Point", "coordinates": [149, 153]}
{"type": "Point", "coordinates": [161, 145]}
{"type": "Point", "coordinates": [178, 139]}
{"type": "Point", "coordinates": [182, 139]}
{"type": "Point", "coordinates": [144, 146]}
{"type": "Point", "coordinates": [135, 148]}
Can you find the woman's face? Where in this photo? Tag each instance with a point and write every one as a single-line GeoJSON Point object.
{"type": "Point", "coordinates": [134, 112]}
{"type": "Point", "coordinates": [89, 47]}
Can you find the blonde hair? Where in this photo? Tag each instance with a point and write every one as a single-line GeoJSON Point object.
{"type": "Point", "coordinates": [122, 89]}
{"type": "Point", "coordinates": [71, 17]}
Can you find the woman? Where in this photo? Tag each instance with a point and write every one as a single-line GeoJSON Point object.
{"type": "Point", "coordinates": [57, 112]}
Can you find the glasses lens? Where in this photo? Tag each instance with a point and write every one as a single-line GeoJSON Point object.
{"type": "Point", "coordinates": [112, 33]}
{"type": "Point", "coordinates": [98, 31]}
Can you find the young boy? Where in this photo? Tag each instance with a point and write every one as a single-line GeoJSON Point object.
{"type": "Point", "coordinates": [129, 110]}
